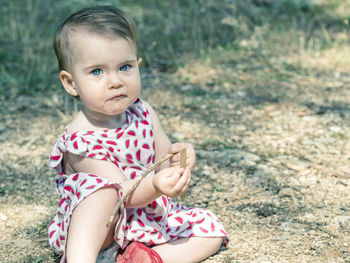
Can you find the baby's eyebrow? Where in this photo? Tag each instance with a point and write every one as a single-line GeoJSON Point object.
{"type": "Point", "coordinates": [130, 61]}
{"type": "Point", "coordinates": [93, 67]}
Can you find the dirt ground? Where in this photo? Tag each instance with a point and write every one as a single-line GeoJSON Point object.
{"type": "Point", "coordinates": [272, 160]}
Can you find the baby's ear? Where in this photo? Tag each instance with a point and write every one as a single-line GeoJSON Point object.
{"type": "Point", "coordinates": [68, 83]}
{"type": "Point", "coordinates": [139, 62]}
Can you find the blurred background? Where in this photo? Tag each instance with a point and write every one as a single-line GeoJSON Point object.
{"type": "Point", "coordinates": [284, 34]}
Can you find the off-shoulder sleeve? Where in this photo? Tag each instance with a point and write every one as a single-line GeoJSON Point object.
{"type": "Point", "coordinates": [82, 144]}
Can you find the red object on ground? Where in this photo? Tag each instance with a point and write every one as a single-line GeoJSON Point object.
{"type": "Point", "coordinates": [137, 252]}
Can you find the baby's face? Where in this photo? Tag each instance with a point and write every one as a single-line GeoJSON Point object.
{"type": "Point", "coordinates": [105, 73]}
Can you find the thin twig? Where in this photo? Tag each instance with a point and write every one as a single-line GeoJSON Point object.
{"type": "Point", "coordinates": [183, 165]}
{"type": "Point", "coordinates": [135, 185]}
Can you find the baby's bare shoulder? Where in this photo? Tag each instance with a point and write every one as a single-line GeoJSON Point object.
{"type": "Point", "coordinates": [80, 123]}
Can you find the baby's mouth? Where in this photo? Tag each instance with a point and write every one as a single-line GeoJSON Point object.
{"type": "Point", "coordinates": [118, 97]}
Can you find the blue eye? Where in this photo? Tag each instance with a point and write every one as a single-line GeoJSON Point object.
{"type": "Point", "coordinates": [125, 68]}
{"type": "Point", "coordinates": [96, 72]}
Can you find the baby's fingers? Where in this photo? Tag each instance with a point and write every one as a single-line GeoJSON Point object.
{"type": "Point", "coordinates": [175, 147]}
{"type": "Point", "coordinates": [183, 183]}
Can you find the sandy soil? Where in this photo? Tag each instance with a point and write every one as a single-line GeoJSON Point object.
{"type": "Point", "coordinates": [273, 162]}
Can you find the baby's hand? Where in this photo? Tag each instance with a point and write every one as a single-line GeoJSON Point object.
{"type": "Point", "coordinates": [190, 155]}
{"type": "Point", "coordinates": [172, 181]}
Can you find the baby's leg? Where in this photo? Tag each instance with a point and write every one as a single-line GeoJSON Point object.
{"type": "Point", "coordinates": [87, 231]}
{"type": "Point", "coordinates": [186, 250]}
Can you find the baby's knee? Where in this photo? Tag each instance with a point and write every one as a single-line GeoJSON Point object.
{"type": "Point", "coordinates": [216, 242]}
{"type": "Point", "coordinates": [108, 196]}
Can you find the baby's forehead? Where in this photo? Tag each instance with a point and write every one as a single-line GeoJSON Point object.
{"type": "Point", "coordinates": [80, 34]}
{"type": "Point", "coordinates": [83, 46]}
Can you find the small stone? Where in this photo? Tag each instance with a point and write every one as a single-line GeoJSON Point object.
{"type": "Point", "coordinates": [286, 192]}
{"type": "Point", "coordinates": [308, 180]}
{"type": "Point", "coordinates": [3, 217]}
{"type": "Point", "coordinates": [309, 216]}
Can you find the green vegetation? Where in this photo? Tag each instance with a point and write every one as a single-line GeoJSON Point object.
{"type": "Point", "coordinates": [171, 33]}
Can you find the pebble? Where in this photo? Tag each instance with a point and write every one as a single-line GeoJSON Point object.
{"type": "Point", "coordinates": [3, 217]}
{"type": "Point", "coordinates": [309, 216]}
{"type": "Point", "coordinates": [308, 180]}
{"type": "Point", "coordinates": [286, 192]}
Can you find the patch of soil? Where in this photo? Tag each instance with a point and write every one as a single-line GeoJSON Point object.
{"type": "Point", "coordinates": [275, 171]}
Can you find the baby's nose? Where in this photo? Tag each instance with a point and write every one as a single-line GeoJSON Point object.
{"type": "Point", "coordinates": [114, 81]}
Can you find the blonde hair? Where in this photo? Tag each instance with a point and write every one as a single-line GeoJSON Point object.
{"type": "Point", "coordinates": [102, 20]}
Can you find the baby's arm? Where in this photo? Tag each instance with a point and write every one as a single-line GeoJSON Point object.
{"type": "Point", "coordinates": [171, 181]}
{"type": "Point", "coordinates": [161, 140]}
{"type": "Point", "coordinates": [164, 146]}
{"type": "Point", "coordinates": [110, 171]}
